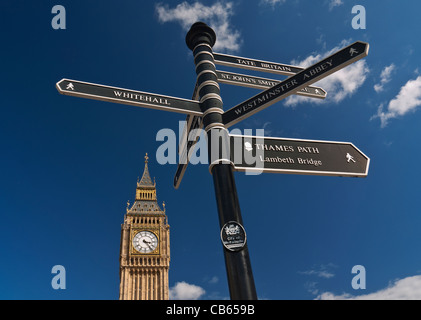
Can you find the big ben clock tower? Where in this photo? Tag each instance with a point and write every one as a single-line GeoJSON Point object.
{"type": "Point", "coordinates": [145, 245]}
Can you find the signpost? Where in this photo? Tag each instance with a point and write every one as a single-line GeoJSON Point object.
{"type": "Point", "coordinates": [257, 65]}
{"type": "Point", "coordinates": [263, 83]}
{"type": "Point", "coordinates": [243, 153]}
{"type": "Point", "coordinates": [125, 96]}
{"type": "Point", "coordinates": [297, 156]}
{"type": "Point", "coordinates": [308, 76]}
{"type": "Point", "coordinates": [193, 126]}
{"type": "Point", "coordinates": [200, 39]}
{"type": "Point", "coordinates": [187, 142]}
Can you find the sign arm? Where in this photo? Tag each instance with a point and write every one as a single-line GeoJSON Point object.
{"type": "Point", "coordinates": [253, 64]}
{"type": "Point", "coordinates": [265, 83]}
{"type": "Point", "coordinates": [308, 76]}
{"type": "Point", "coordinates": [129, 97]}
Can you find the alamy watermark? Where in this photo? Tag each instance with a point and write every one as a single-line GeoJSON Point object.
{"type": "Point", "coordinates": [359, 20]}
{"type": "Point", "coordinates": [220, 148]}
{"type": "Point", "coordinates": [59, 20]}
{"type": "Point", "coordinates": [358, 281]}
{"type": "Point", "coordinates": [59, 280]}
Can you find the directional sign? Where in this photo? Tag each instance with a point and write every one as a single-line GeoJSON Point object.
{"type": "Point", "coordinates": [179, 174]}
{"type": "Point", "coordinates": [125, 96]}
{"type": "Point", "coordinates": [187, 142]}
{"type": "Point", "coordinates": [293, 84]}
{"type": "Point", "coordinates": [309, 157]}
{"type": "Point", "coordinates": [258, 65]}
{"type": "Point", "coordinates": [187, 148]}
{"type": "Point", "coordinates": [263, 83]}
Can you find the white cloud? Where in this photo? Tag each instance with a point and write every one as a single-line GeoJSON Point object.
{"type": "Point", "coordinates": [185, 291]}
{"type": "Point", "coordinates": [335, 3]}
{"type": "Point", "coordinates": [405, 289]}
{"type": "Point", "coordinates": [339, 85]}
{"type": "Point", "coordinates": [312, 287]}
{"type": "Point", "coordinates": [384, 77]}
{"type": "Point", "coordinates": [319, 273]}
{"type": "Point", "coordinates": [214, 280]}
{"type": "Point", "coordinates": [217, 16]}
{"type": "Point", "coordinates": [408, 99]}
{"type": "Point", "coordinates": [271, 2]}
{"type": "Point", "coordinates": [322, 271]}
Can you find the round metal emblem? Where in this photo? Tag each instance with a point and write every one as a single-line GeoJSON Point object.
{"type": "Point", "coordinates": [233, 236]}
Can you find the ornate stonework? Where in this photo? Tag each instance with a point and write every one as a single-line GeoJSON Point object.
{"type": "Point", "coordinates": [145, 245]}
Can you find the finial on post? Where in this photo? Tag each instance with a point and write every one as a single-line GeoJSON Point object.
{"type": "Point", "coordinates": [198, 33]}
{"type": "Point", "coordinates": [146, 158]}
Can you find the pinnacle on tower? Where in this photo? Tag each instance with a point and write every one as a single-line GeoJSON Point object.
{"type": "Point", "coordinates": [146, 180]}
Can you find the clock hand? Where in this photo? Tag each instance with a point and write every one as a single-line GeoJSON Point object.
{"type": "Point", "coordinates": [150, 246]}
{"type": "Point", "coordinates": [148, 243]}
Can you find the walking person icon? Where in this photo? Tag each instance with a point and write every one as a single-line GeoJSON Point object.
{"type": "Point", "coordinates": [352, 51]}
{"type": "Point", "coordinates": [349, 158]}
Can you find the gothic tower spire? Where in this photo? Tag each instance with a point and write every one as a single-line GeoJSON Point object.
{"type": "Point", "coordinates": [146, 180]}
{"type": "Point", "coordinates": [145, 245]}
{"type": "Point", "coordinates": [146, 200]}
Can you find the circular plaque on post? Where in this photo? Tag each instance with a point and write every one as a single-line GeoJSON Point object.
{"type": "Point", "coordinates": [233, 236]}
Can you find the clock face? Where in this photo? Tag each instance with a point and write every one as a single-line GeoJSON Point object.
{"type": "Point", "coordinates": [145, 241]}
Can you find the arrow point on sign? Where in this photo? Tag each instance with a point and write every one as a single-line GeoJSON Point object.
{"type": "Point", "coordinates": [59, 85]}
{"type": "Point", "coordinates": [366, 47]}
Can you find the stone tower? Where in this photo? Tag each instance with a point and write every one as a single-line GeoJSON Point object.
{"type": "Point", "coordinates": [145, 245]}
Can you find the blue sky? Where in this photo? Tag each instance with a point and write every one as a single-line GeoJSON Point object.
{"type": "Point", "coordinates": [69, 165]}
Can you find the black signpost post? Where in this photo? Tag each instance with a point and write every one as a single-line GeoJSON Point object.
{"type": "Point", "coordinates": [229, 153]}
{"type": "Point", "coordinates": [200, 39]}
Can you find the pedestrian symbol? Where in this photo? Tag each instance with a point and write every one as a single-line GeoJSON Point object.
{"type": "Point", "coordinates": [349, 158]}
{"type": "Point", "coordinates": [352, 51]}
